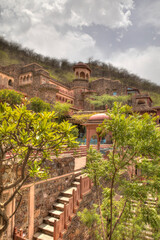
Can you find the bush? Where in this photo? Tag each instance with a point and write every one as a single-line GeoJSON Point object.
{"type": "Point", "coordinates": [38, 105]}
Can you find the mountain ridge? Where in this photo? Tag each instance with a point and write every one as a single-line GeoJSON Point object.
{"type": "Point", "coordinates": [62, 69]}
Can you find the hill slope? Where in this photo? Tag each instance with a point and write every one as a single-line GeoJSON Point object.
{"type": "Point", "coordinates": [12, 53]}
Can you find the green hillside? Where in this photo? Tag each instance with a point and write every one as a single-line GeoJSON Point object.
{"type": "Point", "coordinates": [62, 69]}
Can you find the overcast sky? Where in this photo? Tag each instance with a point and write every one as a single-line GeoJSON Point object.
{"type": "Point", "coordinates": [125, 33]}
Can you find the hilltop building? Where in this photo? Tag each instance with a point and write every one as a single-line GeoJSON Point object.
{"type": "Point", "coordinates": [34, 81]}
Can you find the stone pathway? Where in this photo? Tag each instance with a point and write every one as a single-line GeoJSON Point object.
{"type": "Point", "coordinates": [80, 162]}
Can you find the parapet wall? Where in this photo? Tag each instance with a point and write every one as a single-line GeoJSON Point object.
{"type": "Point", "coordinates": [38, 197]}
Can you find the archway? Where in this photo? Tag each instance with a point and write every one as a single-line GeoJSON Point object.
{"type": "Point", "coordinates": [91, 127]}
{"type": "Point", "coordinates": [77, 74]}
{"type": "Point", "coordinates": [82, 75]}
{"type": "Point", "coordinates": [87, 76]}
{"type": "Point", "coordinates": [10, 83]}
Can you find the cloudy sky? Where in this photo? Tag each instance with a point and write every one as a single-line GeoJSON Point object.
{"type": "Point", "coordinates": [125, 33]}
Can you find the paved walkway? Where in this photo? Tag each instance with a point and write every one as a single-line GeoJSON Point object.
{"type": "Point", "coordinates": [80, 163]}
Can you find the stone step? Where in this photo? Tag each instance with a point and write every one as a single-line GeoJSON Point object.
{"type": "Point", "coordinates": [82, 175]}
{"type": "Point", "coordinates": [47, 229]}
{"type": "Point", "coordinates": [42, 236]}
{"type": "Point", "coordinates": [50, 220]}
{"type": "Point", "coordinates": [75, 184]}
{"type": "Point", "coordinates": [148, 238]}
{"type": "Point", "coordinates": [147, 233]}
{"type": "Point", "coordinates": [147, 227]}
{"type": "Point", "coordinates": [150, 203]}
{"type": "Point", "coordinates": [55, 213]}
{"type": "Point", "coordinates": [59, 206]}
{"type": "Point", "coordinates": [62, 199]}
{"type": "Point", "coordinates": [68, 192]}
{"type": "Point", "coordinates": [77, 173]}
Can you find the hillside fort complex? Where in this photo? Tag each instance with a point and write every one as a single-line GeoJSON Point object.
{"type": "Point", "coordinates": [48, 207]}
{"type": "Point", "coordinates": [34, 81]}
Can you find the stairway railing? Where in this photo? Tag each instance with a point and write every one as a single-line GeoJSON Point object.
{"type": "Point", "coordinates": [71, 208]}
{"type": "Point", "coordinates": [18, 234]}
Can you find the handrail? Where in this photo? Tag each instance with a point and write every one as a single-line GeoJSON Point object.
{"type": "Point", "coordinates": [71, 208]}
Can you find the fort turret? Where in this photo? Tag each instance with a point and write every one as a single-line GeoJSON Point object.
{"type": "Point", "coordinates": [81, 82]}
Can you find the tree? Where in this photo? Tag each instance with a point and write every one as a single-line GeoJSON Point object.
{"type": "Point", "coordinates": [11, 97]}
{"type": "Point", "coordinates": [108, 100]}
{"type": "Point", "coordinates": [38, 105]}
{"type": "Point", "coordinates": [61, 110]}
{"type": "Point", "coordinates": [124, 211]}
{"type": "Point", "coordinates": [26, 141]}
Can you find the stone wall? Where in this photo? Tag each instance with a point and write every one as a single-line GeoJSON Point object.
{"type": "Point", "coordinates": [45, 194]}
{"type": "Point", "coordinates": [62, 165]}
{"type": "Point", "coordinates": [38, 196]}
{"type": "Point", "coordinates": [107, 86]}
{"type": "Point", "coordinates": [83, 83]}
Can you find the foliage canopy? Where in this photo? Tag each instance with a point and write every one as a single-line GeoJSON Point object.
{"type": "Point", "coordinates": [38, 105]}
{"type": "Point", "coordinates": [105, 99]}
{"type": "Point", "coordinates": [61, 110]}
{"type": "Point", "coordinates": [11, 97]}
{"type": "Point", "coordinates": [129, 178]}
{"type": "Point", "coordinates": [27, 140]}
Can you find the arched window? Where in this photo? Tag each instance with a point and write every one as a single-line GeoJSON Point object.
{"type": "Point", "coordinates": [24, 79]}
{"type": "Point", "coordinates": [87, 76]}
{"type": "Point", "coordinates": [114, 92]}
{"type": "Point", "coordinates": [82, 75]}
{"type": "Point", "coordinates": [27, 78]}
{"type": "Point", "coordinates": [10, 83]}
{"type": "Point", "coordinates": [141, 101]}
{"type": "Point", "coordinates": [77, 74]}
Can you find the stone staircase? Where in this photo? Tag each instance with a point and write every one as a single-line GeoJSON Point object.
{"type": "Point", "coordinates": [147, 232]}
{"type": "Point", "coordinates": [59, 218]}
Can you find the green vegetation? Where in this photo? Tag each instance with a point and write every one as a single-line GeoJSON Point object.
{"type": "Point", "coordinates": [82, 118]}
{"type": "Point", "coordinates": [61, 111]}
{"type": "Point", "coordinates": [155, 98]}
{"type": "Point", "coordinates": [11, 97]}
{"type": "Point", "coordinates": [124, 212]}
{"type": "Point", "coordinates": [38, 105]}
{"type": "Point", "coordinates": [6, 59]}
{"type": "Point", "coordinates": [28, 138]}
{"type": "Point", "coordinates": [105, 99]}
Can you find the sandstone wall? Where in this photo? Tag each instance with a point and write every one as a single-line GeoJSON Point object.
{"type": "Point", "coordinates": [39, 196]}
{"type": "Point", "coordinates": [107, 86]}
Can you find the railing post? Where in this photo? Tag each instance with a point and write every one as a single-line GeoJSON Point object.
{"type": "Point", "coordinates": [73, 193]}
{"type": "Point", "coordinates": [65, 216]}
{"type": "Point", "coordinates": [15, 233]}
{"type": "Point", "coordinates": [81, 187]}
{"type": "Point", "coordinates": [70, 208]}
{"type": "Point", "coordinates": [90, 183]}
{"type": "Point", "coordinates": [61, 224]}
{"type": "Point", "coordinates": [31, 213]}
{"type": "Point", "coordinates": [55, 230]}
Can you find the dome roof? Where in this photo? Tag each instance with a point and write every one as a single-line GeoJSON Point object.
{"type": "Point", "coordinates": [99, 117]}
{"type": "Point", "coordinates": [81, 65]}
